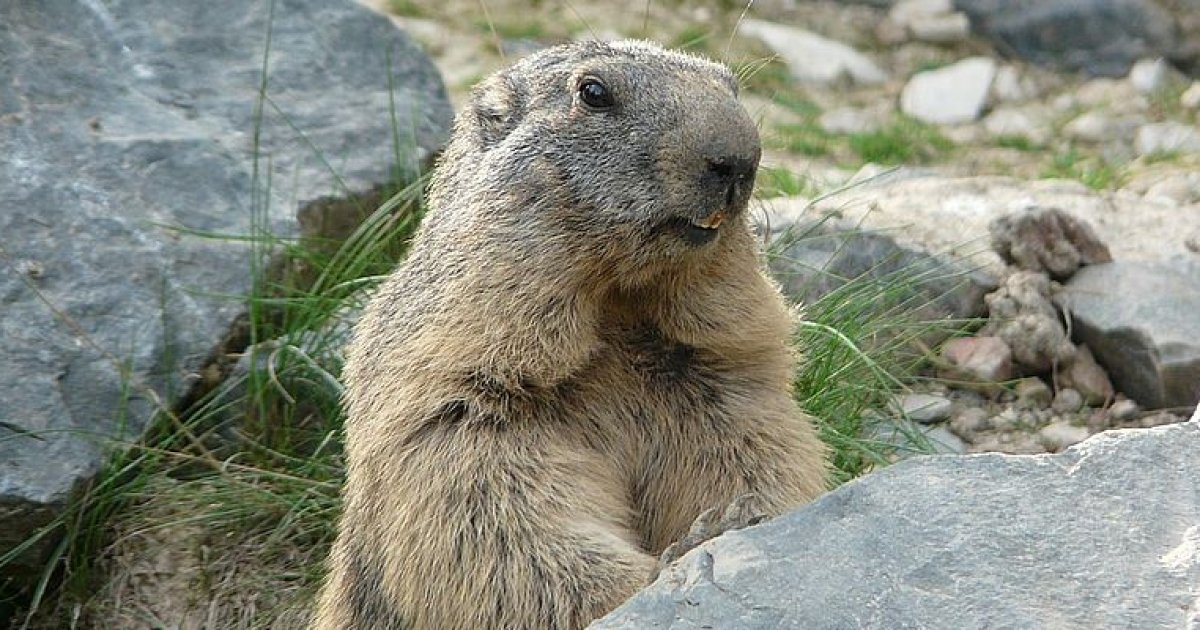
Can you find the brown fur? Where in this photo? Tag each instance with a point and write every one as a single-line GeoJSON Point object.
{"type": "Point", "coordinates": [556, 382]}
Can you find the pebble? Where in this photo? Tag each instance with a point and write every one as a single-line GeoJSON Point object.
{"type": "Point", "coordinates": [1151, 75]}
{"type": "Point", "coordinates": [1010, 87]}
{"type": "Point", "coordinates": [925, 408]}
{"type": "Point", "coordinates": [981, 359]}
{"type": "Point", "coordinates": [1123, 410]}
{"type": "Point", "coordinates": [1057, 436]}
{"type": "Point", "coordinates": [1067, 400]}
{"type": "Point", "coordinates": [1085, 375]}
{"type": "Point", "coordinates": [969, 422]}
{"type": "Point", "coordinates": [1098, 127]}
{"type": "Point", "coordinates": [1191, 96]}
{"type": "Point", "coordinates": [1167, 137]}
{"type": "Point", "coordinates": [1033, 393]}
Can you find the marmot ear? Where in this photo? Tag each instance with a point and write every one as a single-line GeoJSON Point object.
{"type": "Point", "coordinates": [498, 106]}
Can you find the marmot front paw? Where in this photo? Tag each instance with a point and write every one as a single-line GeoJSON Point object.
{"type": "Point", "coordinates": [744, 511]}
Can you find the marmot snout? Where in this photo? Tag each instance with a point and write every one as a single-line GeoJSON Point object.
{"type": "Point", "coordinates": [580, 355]}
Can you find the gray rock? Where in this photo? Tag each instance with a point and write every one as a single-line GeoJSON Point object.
{"type": "Point", "coordinates": [1167, 137]}
{"type": "Point", "coordinates": [126, 127]}
{"type": "Point", "coordinates": [925, 408]}
{"type": "Point", "coordinates": [1047, 239]}
{"type": "Point", "coordinates": [1139, 319]}
{"type": "Point", "coordinates": [1058, 435]}
{"type": "Point", "coordinates": [962, 542]}
{"type": "Point", "coordinates": [951, 95]}
{"type": "Point", "coordinates": [812, 58]}
{"type": "Point", "coordinates": [812, 258]}
{"type": "Point", "coordinates": [1100, 37]}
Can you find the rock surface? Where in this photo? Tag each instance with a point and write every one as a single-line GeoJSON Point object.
{"type": "Point", "coordinates": [963, 542]}
{"type": "Point", "coordinates": [127, 126]}
{"type": "Point", "coordinates": [1140, 320]}
{"type": "Point", "coordinates": [1101, 37]}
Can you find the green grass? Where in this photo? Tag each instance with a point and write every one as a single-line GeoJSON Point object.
{"type": "Point", "coordinates": [781, 182]}
{"type": "Point", "coordinates": [1093, 172]}
{"type": "Point", "coordinates": [903, 141]}
{"type": "Point", "coordinates": [1018, 142]}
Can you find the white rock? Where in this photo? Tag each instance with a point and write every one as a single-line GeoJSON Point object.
{"type": "Point", "coordinates": [906, 11]}
{"type": "Point", "coordinates": [812, 58]}
{"type": "Point", "coordinates": [941, 29]}
{"type": "Point", "coordinates": [951, 95]}
{"type": "Point", "coordinates": [1167, 137]}
{"type": "Point", "coordinates": [1151, 75]}
{"type": "Point", "coordinates": [1191, 96]}
{"type": "Point", "coordinates": [1057, 436]}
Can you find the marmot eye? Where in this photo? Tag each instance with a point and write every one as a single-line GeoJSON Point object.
{"type": "Point", "coordinates": [595, 94]}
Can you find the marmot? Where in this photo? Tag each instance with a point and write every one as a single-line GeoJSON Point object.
{"type": "Point", "coordinates": [580, 355]}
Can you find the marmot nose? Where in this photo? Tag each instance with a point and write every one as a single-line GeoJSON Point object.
{"type": "Point", "coordinates": [733, 175]}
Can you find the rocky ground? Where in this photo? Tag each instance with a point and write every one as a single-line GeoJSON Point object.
{"type": "Point", "coordinates": [960, 90]}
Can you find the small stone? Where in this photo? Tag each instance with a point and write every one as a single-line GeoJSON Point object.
{"type": "Point", "coordinates": [1033, 393]}
{"type": "Point", "coordinates": [979, 359]}
{"type": "Point", "coordinates": [941, 29]}
{"type": "Point", "coordinates": [1191, 96]}
{"type": "Point", "coordinates": [943, 441]}
{"type": "Point", "coordinates": [1167, 137]}
{"type": "Point", "coordinates": [1057, 436]}
{"type": "Point", "coordinates": [952, 95]}
{"type": "Point", "coordinates": [925, 408]}
{"type": "Point", "coordinates": [1045, 239]}
{"type": "Point", "coordinates": [1123, 410]}
{"type": "Point", "coordinates": [1085, 375]}
{"type": "Point", "coordinates": [1067, 400]}
{"type": "Point", "coordinates": [1010, 87]}
{"type": "Point", "coordinates": [1099, 420]}
{"type": "Point", "coordinates": [969, 422]}
{"type": "Point", "coordinates": [1151, 75]}
{"type": "Point", "coordinates": [1097, 127]}
{"type": "Point", "coordinates": [1010, 122]}
{"type": "Point", "coordinates": [1007, 420]}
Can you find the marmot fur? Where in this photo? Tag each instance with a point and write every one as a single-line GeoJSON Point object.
{"type": "Point", "coordinates": [580, 355]}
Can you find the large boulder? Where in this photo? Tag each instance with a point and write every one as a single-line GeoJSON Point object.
{"type": "Point", "coordinates": [1100, 37]}
{"type": "Point", "coordinates": [1142, 321]}
{"type": "Point", "coordinates": [129, 132]}
{"type": "Point", "coordinates": [1104, 535]}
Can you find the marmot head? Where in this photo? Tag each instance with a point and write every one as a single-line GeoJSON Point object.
{"type": "Point", "coordinates": [635, 157]}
